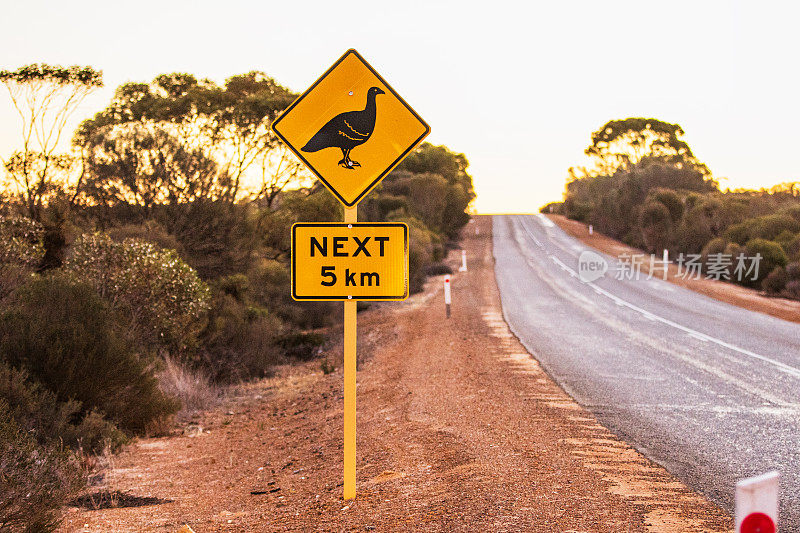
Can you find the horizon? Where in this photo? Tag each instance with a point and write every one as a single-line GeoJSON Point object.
{"type": "Point", "coordinates": [520, 103]}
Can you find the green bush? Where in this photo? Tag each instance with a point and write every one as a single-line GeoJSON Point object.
{"type": "Point", "coordinates": [299, 345]}
{"type": "Point", "coordinates": [159, 296]}
{"type": "Point", "coordinates": [21, 252]}
{"type": "Point", "coordinates": [556, 208]}
{"type": "Point", "coordinates": [655, 223]}
{"type": "Point", "coordinates": [216, 238]}
{"type": "Point", "coordinates": [438, 269]}
{"type": "Point", "coordinates": [270, 287]}
{"type": "Point", "coordinates": [793, 211]}
{"type": "Point", "coordinates": [772, 255]}
{"type": "Point", "coordinates": [35, 481]}
{"type": "Point", "coordinates": [671, 200]}
{"type": "Point", "coordinates": [765, 227]}
{"type": "Point", "coordinates": [775, 281]}
{"type": "Point", "coordinates": [792, 290]}
{"type": "Point", "coordinates": [21, 241]}
{"type": "Point", "coordinates": [52, 422]}
{"type": "Point", "coordinates": [793, 271]}
{"type": "Point", "coordinates": [149, 231]}
{"type": "Point", "coordinates": [239, 341]}
{"type": "Point", "coordinates": [65, 337]}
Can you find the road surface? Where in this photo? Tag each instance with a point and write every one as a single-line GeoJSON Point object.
{"type": "Point", "coordinates": [709, 390]}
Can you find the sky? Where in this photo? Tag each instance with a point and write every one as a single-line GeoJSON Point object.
{"type": "Point", "coordinates": [517, 87]}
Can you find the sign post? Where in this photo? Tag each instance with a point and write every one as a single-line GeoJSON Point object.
{"type": "Point", "coordinates": [350, 128]}
{"type": "Point", "coordinates": [350, 363]}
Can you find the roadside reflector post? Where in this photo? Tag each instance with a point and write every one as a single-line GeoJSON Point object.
{"type": "Point", "coordinates": [591, 229]}
{"type": "Point", "coordinates": [447, 294]}
{"type": "Point", "coordinates": [350, 360]}
{"type": "Point", "coordinates": [757, 504]}
{"type": "Point", "coordinates": [463, 267]}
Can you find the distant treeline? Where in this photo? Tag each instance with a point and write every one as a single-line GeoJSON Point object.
{"type": "Point", "coordinates": [149, 264]}
{"type": "Point", "coordinates": [647, 189]}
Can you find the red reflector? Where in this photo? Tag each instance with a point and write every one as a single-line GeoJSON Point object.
{"type": "Point", "coordinates": [757, 523]}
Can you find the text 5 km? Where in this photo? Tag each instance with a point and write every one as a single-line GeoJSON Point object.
{"type": "Point", "coordinates": [367, 278]}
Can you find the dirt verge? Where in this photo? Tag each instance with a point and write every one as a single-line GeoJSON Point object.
{"type": "Point", "coordinates": [726, 292]}
{"type": "Point", "coordinates": [459, 429]}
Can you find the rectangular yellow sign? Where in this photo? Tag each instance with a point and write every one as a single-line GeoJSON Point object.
{"type": "Point", "coordinates": [360, 261]}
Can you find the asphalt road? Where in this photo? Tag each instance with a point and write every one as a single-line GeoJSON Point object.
{"type": "Point", "coordinates": [708, 390]}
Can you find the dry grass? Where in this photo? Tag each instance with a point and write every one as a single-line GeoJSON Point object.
{"type": "Point", "coordinates": [192, 387]}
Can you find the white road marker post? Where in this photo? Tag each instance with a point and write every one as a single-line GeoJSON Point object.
{"type": "Point", "coordinates": [463, 267]}
{"type": "Point", "coordinates": [757, 504]}
{"type": "Point", "coordinates": [447, 294]}
{"type": "Point", "coordinates": [591, 229]}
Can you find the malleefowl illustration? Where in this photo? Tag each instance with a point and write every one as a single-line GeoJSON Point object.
{"type": "Point", "coordinates": [347, 130]}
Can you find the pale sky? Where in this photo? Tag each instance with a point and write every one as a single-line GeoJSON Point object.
{"type": "Point", "coordinates": [517, 87]}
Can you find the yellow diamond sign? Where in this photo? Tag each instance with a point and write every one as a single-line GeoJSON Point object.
{"type": "Point", "coordinates": [358, 261]}
{"type": "Point", "coordinates": [350, 128]}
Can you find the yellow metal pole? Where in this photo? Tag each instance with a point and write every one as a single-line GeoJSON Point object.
{"type": "Point", "coordinates": [350, 216]}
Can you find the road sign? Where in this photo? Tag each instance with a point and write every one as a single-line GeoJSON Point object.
{"type": "Point", "coordinates": [333, 261]}
{"type": "Point", "coordinates": [350, 128]}
{"type": "Point", "coordinates": [757, 504]}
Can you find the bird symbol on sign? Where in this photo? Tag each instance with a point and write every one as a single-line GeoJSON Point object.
{"type": "Point", "coordinates": [347, 130]}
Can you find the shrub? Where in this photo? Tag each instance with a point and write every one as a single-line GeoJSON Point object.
{"type": "Point", "coordinates": [149, 231]}
{"type": "Point", "coordinates": [21, 251]}
{"type": "Point", "coordinates": [772, 255]}
{"type": "Point", "coordinates": [671, 200]}
{"type": "Point", "coordinates": [794, 248]}
{"type": "Point", "coordinates": [65, 337]}
{"type": "Point", "coordinates": [556, 208]}
{"type": "Point", "coordinates": [37, 412]}
{"type": "Point", "coordinates": [270, 287]}
{"type": "Point", "coordinates": [36, 481]}
{"type": "Point", "coordinates": [775, 281]}
{"type": "Point", "coordinates": [438, 269]}
{"type": "Point", "coordinates": [217, 238]}
{"type": "Point", "coordinates": [21, 241]}
{"type": "Point", "coordinates": [793, 271]}
{"type": "Point", "coordinates": [792, 289]}
{"type": "Point", "coordinates": [239, 341]}
{"type": "Point", "coordinates": [159, 296]}
{"type": "Point", "coordinates": [793, 211]}
{"type": "Point", "coordinates": [656, 225]}
{"type": "Point", "coordinates": [298, 345]}
{"type": "Point", "coordinates": [766, 227]}
{"type": "Point", "coordinates": [191, 386]}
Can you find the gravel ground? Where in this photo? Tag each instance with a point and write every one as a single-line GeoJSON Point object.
{"type": "Point", "coordinates": [459, 429]}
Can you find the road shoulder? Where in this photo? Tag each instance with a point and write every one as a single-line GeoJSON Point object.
{"type": "Point", "coordinates": [737, 295]}
{"type": "Point", "coordinates": [459, 429]}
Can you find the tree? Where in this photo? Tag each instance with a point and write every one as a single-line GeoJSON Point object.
{"type": "Point", "coordinates": [624, 143]}
{"type": "Point", "coordinates": [279, 169]}
{"type": "Point", "coordinates": [45, 96]}
{"type": "Point", "coordinates": [143, 165]}
{"type": "Point", "coordinates": [228, 124]}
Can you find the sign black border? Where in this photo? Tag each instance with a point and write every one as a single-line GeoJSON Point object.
{"type": "Point", "coordinates": [383, 174]}
{"type": "Point", "coordinates": [345, 297]}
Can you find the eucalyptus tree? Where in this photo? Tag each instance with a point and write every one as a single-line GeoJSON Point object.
{"type": "Point", "coordinates": [45, 97]}
{"type": "Point", "coordinates": [228, 125]}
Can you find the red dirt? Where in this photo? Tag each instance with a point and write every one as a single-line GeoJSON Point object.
{"type": "Point", "coordinates": [726, 292]}
{"type": "Point", "coordinates": [459, 429]}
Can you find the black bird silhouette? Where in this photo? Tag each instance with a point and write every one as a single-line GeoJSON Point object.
{"type": "Point", "coordinates": [346, 131]}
